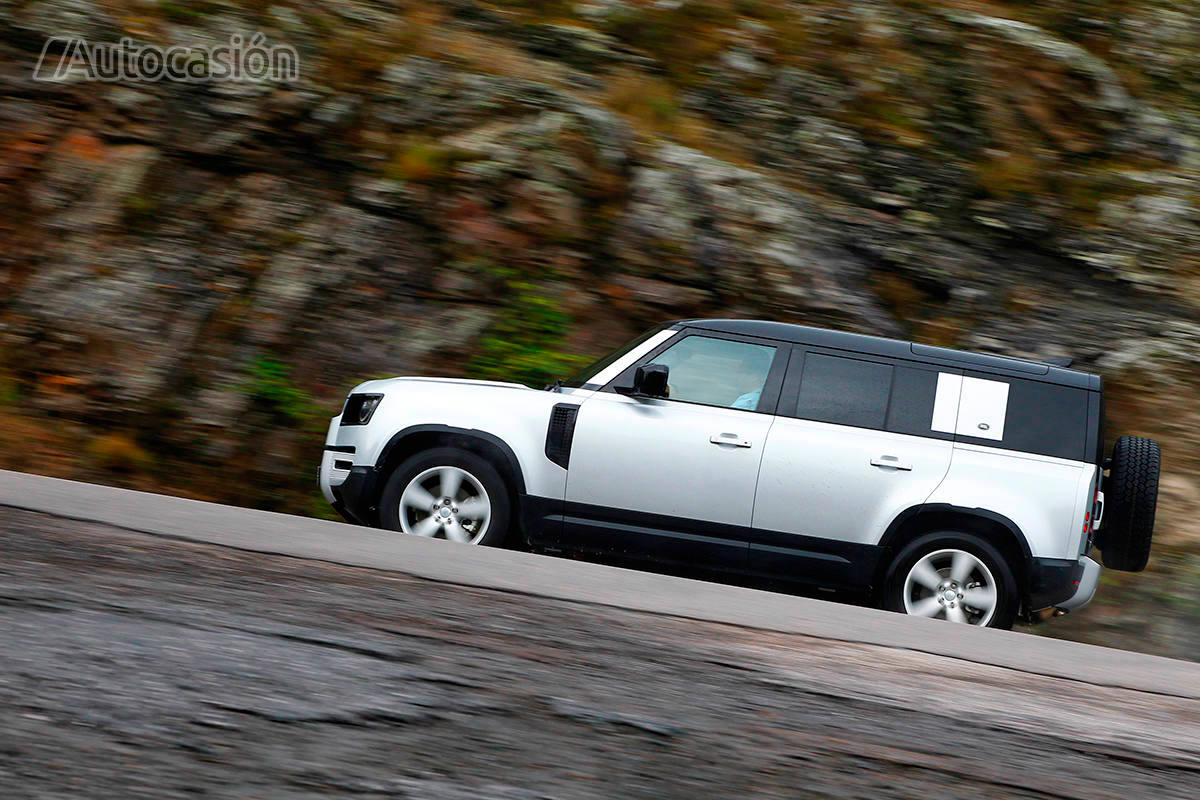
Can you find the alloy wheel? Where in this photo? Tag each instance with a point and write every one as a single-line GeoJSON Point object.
{"type": "Point", "coordinates": [446, 502]}
{"type": "Point", "coordinates": [951, 584]}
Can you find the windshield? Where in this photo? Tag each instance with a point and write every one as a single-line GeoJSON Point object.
{"type": "Point", "coordinates": [595, 368]}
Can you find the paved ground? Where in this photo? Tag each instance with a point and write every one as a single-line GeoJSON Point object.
{"type": "Point", "coordinates": [136, 666]}
{"type": "Point", "coordinates": [540, 576]}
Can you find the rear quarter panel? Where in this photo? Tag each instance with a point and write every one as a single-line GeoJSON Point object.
{"type": "Point", "coordinates": [1045, 497]}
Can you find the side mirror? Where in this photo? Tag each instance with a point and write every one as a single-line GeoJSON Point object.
{"type": "Point", "coordinates": [651, 380]}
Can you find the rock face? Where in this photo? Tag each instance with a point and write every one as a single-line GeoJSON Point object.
{"type": "Point", "coordinates": [192, 275]}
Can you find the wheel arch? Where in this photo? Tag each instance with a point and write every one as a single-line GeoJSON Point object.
{"type": "Point", "coordinates": [996, 529]}
{"type": "Point", "coordinates": [417, 438]}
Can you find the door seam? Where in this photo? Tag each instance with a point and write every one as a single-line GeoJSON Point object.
{"type": "Point", "coordinates": [758, 474]}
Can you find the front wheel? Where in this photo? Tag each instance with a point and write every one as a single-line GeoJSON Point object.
{"type": "Point", "coordinates": [447, 493]}
{"type": "Point", "coordinates": [953, 576]}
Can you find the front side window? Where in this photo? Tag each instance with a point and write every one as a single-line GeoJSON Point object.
{"type": "Point", "coordinates": [717, 372]}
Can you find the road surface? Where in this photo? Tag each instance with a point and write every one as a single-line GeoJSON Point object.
{"type": "Point", "coordinates": [155, 647]}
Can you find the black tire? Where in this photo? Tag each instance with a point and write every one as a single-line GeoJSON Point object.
{"type": "Point", "coordinates": [481, 469]}
{"type": "Point", "coordinates": [1130, 497]}
{"type": "Point", "coordinates": [1008, 599]}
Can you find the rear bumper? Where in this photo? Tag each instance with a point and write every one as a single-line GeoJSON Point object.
{"type": "Point", "coordinates": [1062, 583]}
{"type": "Point", "coordinates": [1087, 586]}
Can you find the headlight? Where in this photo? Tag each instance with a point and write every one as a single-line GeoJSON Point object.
{"type": "Point", "coordinates": [359, 408]}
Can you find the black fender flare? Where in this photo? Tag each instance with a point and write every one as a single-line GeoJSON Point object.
{"type": "Point", "coordinates": [908, 514]}
{"type": "Point", "coordinates": [1032, 579]}
{"type": "Point", "coordinates": [413, 430]}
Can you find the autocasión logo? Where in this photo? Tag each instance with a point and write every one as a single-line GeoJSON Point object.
{"type": "Point", "coordinates": [252, 60]}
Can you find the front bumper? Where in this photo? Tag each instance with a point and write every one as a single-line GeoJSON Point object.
{"type": "Point", "coordinates": [355, 497]}
{"type": "Point", "coordinates": [335, 468]}
{"type": "Point", "coordinates": [349, 487]}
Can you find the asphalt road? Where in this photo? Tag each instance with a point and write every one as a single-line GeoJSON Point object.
{"type": "Point", "coordinates": [335, 542]}
{"type": "Point", "coordinates": [138, 660]}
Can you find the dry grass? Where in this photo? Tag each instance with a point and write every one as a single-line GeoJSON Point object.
{"type": "Point", "coordinates": [421, 159]}
{"type": "Point", "coordinates": [118, 452]}
{"type": "Point", "coordinates": [650, 103]}
{"type": "Point", "coordinates": [1005, 174]}
{"type": "Point", "coordinates": [48, 447]}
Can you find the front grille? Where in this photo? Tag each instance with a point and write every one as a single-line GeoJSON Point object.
{"type": "Point", "coordinates": [560, 433]}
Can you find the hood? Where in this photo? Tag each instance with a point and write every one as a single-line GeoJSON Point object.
{"type": "Point", "coordinates": [383, 384]}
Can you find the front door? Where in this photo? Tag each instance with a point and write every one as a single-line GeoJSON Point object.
{"type": "Point", "coordinates": [674, 479]}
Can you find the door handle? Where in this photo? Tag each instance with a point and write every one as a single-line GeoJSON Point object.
{"type": "Point", "coordinates": [730, 439]}
{"type": "Point", "coordinates": [891, 462]}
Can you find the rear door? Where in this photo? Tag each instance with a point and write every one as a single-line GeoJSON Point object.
{"type": "Point", "coordinates": [854, 444]}
{"type": "Point", "coordinates": [674, 479]}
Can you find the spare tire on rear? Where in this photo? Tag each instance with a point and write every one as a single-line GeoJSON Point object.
{"type": "Point", "coordinates": [1130, 497]}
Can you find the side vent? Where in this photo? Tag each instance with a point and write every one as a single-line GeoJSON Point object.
{"type": "Point", "coordinates": [560, 433]}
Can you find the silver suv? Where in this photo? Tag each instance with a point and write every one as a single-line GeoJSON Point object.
{"type": "Point", "coordinates": [935, 482]}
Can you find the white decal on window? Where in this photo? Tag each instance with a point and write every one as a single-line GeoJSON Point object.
{"type": "Point", "coordinates": [945, 402]}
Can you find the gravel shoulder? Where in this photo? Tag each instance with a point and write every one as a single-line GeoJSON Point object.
{"type": "Point", "coordinates": [135, 666]}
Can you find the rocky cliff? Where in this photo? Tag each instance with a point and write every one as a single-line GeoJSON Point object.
{"type": "Point", "coordinates": [193, 274]}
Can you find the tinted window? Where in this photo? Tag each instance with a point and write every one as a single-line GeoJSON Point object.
{"type": "Point", "coordinates": [1042, 418]}
{"type": "Point", "coordinates": [717, 372]}
{"type": "Point", "coordinates": [844, 391]}
{"type": "Point", "coordinates": [913, 394]}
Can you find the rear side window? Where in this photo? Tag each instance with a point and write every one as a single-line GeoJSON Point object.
{"type": "Point", "coordinates": [913, 405]}
{"type": "Point", "coordinates": [1037, 418]}
{"type": "Point", "coordinates": [868, 394]}
{"type": "Point", "coordinates": [944, 403]}
{"type": "Point", "coordinates": [844, 391]}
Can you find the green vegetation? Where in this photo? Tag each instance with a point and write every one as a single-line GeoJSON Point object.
{"type": "Point", "coordinates": [10, 391]}
{"type": "Point", "coordinates": [519, 346]}
{"type": "Point", "coordinates": [680, 37]}
{"type": "Point", "coordinates": [278, 403]}
{"type": "Point", "coordinates": [195, 12]}
{"type": "Point", "coordinates": [186, 12]}
{"type": "Point", "coordinates": [138, 213]}
{"type": "Point", "coordinates": [546, 9]}
{"type": "Point", "coordinates": [274, 394]}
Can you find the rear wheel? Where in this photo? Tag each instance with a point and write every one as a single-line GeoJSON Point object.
{"type": "Point", "coordinates": [1131, 497]}
{"type": "Point", "coordinates": [953, 576]}
{"type": "Point", "coordinates": [447, 493]}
